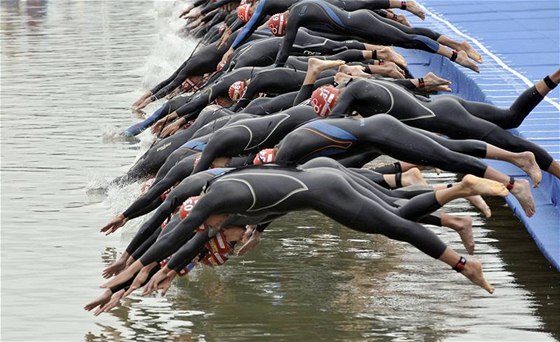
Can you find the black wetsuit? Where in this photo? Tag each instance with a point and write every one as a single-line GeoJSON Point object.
{"type": "Point", "coordinates": [382, 134]}
{"type": "Point", "coordinates": [321, 16]}
{"type": "Point", "coordinates": [270, 7]}
{"type": "Point", "coordinates": [252, 192]}
{"type": "Point", "coordinates": [153, 159]}
{"type": "Point", "coordinates": [446, 114]}
{"type": "Point", "coordinates": [252, 135]}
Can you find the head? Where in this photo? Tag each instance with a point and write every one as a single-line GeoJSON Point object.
{"type": "Point", "coordinates": [277, 24]}
{"type": "Point", "coordinates": [265, 156]}
{"type": "Point", "coordinates": [324, 99]}
{"type": "Point", "coordinates": [244, 12]}
{"type": "Point", "coordinates": [237, 90]}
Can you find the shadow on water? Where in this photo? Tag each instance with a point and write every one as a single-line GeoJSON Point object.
{"type": "Point", "coordinates": [527, 264]}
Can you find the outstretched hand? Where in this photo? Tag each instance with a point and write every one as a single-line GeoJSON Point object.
{"type": "Point", "coordinates": [124, 276]}
{"type": "Point", "coordinates": [170, 129]}
{"type": "Point", "coordinates": [253, 241]}
{"type": "Point", "coordinates": [114, 300]}
{"type": "Point", "coordinates": [115, 224]}
{"type": "Point", "coordinates": [160, 281]}
{"type": "Point", "coordinates": [114, 268]}
{"type": "Point", "coordinates": [140, 278]}
{"type": "Point", "coordinates": [186, 11]}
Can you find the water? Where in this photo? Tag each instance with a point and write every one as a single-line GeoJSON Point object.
{"type": "Point", "coordinates": [70, 70]}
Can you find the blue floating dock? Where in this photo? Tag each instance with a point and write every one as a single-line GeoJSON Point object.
{"type": "Point", "coordinates": [519, 42]}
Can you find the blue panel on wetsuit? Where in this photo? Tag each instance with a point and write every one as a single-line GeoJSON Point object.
{"type": "Point", "coordinates": [218, 171]}
{"type": "Point", "coordinates": [329, 11]}
{"type": "Point", "coordinates": [330, 130]}
{"type": "Point", "coordinates": [508, 34]}
{"type": "Point", "coordinates": [195, 145]}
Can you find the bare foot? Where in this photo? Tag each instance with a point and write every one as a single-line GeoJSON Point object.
{"type": "Point", "coordinates": [480, 204]}
{"type": "Point", "coordinates": [434, 82]}
{"type": "Point", "coordinates": [463, 226]}
{"type": "Point", "coordinates": [413, 8]}
{"type": "Point", "coordinates": [99, 301]}
{"type": "Point", "coordinates": [473, 185]}
{"type": "Point", "coordinates": [526, 161]}
{"type": "Point", "coordinates": [388, 54]}
{"type": "Point", "coordinates": [464, 60]}
{"type": "Point", "coordinates": [318, 65]}
{"type": "Point", "coordinates": [522, 191]}
{"type": "Point", "coordinates": [353, 70]}
{"type": "Point", "coordinates": [473, 272]}
{"type": "Point", "coordinates": [472, 53]}
{"type": "Point", "coordinates": [413, 177]}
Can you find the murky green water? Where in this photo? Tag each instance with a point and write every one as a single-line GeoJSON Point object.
{"type": "Point", "coordinates": [70, 70]}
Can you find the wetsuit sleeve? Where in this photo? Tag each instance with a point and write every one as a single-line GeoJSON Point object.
{"type": "Point", "coordinates": [146, 244]}
{"type": "Point", "coordinates": [306, 90]}
{"type": "Point", "coordinates": [171, 78]}
{"type": "Point", "coordinates": [171, 242]}
{"type": "Point", "coordinates": [213, 5]}
{"type": "Point", "coordinates": [251, 26]}
{"type": "Point", "coordinates": [343, 103]}
{"type": "Point", "coordinates": [174, 175]}
{"type": "Point", "coordinates": [189, 251]}
{"type": "Point", "coordinates": [195, 106]}
{"type": "Point", "coordinates": [288, 41]}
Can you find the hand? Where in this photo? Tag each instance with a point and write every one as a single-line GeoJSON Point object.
{"type": "Point", "coordinates": [171, 129]}
{"type": "Point", "coordinates": [115, 224]}
{"type": "Point", "coordinates": [114, 268]}
{"type": "Point", "coordinates": [158, 126]}
{"type": "Point", "coordinates": [413, 8]}
{"type": "Point", "coordinates": [144, 103]}
{"type": "Point", "coordinates": [141, 99]}
{"type": "Point", "coordinates": [253, 241]}
{"type": "Point", "coordinates": [226, 56]}
{"type": "Point", "coordinates": [192, 14]}
{"type": "Point", "coordinates": [162, 279]}
{"type": "Point", "coordinates": [124, 276]}
{"type": "Point", "coordinates": [186, 11]}
{"type": "Point", "coordinates": [140, 278]}
{"type": "Point", "coordinates": [99, 301]}
{"type": "Point", "coordinates": [115, 299]}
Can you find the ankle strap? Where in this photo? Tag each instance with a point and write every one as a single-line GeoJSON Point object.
{"type": "Point", "coordinates": [460, 265]}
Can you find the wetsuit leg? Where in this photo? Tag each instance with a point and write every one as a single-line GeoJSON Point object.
{"type": "Point", "coordinates": [392, 137]}
{"type": "Point", "coordinates": [369, 26]}
{"type": "Point", "coordinates": [463, 125]}
{"type": "Point", "coordinates": [173, 159]}
{"type": "Point", "coordinates": [506, 118]}
{"type": "Point", "coordinates": [226, 142]}
{"type": "Point", "coordinates": [411, 30]}
{"type": "Point", "coordinates": [343, 204]}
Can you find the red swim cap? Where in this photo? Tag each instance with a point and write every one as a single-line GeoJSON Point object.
{"type": "Point", "coordinates": [265, 156]}
{"type": "Point", "coordinates": [244, 12]}
{"type": "Point", "coordinates": [277, 24]}
{"type": "Point", "coordinates": [187, 206]}
{"type": "Point", "coordinates": [324, 99]}
{"type": "Point", "coordinates": [237, 90]}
